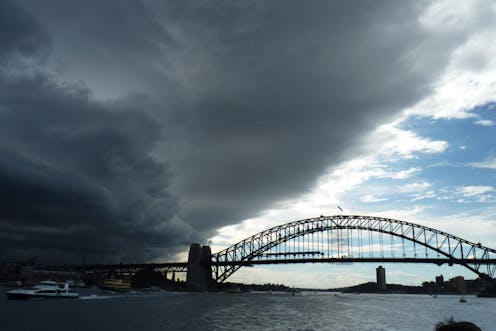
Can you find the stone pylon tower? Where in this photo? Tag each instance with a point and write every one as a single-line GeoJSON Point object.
{"type": "Point", "coordinates": [381, 277]}
{"type": "Point", "coordinates": [199, 273]}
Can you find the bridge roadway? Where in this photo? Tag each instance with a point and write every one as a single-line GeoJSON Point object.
{"type": "Point", "coordinates": [129, 268]}
{"type": "Point", "coordinates": [353, 260]}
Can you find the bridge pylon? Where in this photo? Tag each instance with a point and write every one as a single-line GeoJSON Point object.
{"type": "Point", "coordinates": [199, 272]}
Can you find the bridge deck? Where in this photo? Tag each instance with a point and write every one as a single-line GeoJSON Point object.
{"type": "Point", "coordinates": [166, 265]}
{"type": "Point", "coordinates": [184, 265]}
{"type": "Point", "coordinates": [437, 261]}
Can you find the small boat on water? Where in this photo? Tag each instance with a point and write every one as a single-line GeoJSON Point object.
{"type": "Point", "coordinates": [116, 285]}
{"type": "Point", "coordinates": [43, 290]}
{"type": "Point", "coordinates": [463, 300]}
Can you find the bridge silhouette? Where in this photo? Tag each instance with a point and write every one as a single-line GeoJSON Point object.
{"type": "Point", "coordinates": [329, 239]}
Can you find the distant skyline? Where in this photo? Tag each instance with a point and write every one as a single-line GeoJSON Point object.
{"type": "Point", "coordinates": [131, 129]}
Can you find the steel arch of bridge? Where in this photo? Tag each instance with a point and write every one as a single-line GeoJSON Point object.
{"type": "Point", "coordinates": [448, 248]}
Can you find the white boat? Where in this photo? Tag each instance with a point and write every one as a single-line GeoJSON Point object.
{"type": "Point", "coordinates": [46, 289]}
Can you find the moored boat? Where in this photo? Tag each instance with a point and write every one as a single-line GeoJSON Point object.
{"type": "Point", "coordinates": [43, 290]}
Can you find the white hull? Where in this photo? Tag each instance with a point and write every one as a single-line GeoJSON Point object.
{"type": "Point", "coordinates": [44, 290]}
{"type": "Point", "coordinates": [23, 296]}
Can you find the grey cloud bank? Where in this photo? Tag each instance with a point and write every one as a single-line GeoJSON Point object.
{"type": "Point", "coordinates": [130, 129]}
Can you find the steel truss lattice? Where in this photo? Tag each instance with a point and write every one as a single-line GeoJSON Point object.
{"type": "Point", "coordinates": [354, 238]}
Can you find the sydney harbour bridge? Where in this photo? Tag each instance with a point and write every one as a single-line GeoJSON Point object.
{"type": "Point", "coordinates": [328, 239]}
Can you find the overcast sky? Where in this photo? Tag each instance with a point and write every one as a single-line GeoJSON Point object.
{"type": "Point", "coordinates": [130, 129]}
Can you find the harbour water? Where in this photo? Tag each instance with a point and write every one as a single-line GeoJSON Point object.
{"type": "Point", "coordinates": [244, 311]}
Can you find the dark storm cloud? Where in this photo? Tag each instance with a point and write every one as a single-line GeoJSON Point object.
{"type": "Point", "coordinates": [278, 91]}
{"type": "Point", "coordinates": [19, 32]}
{"type": "Point", "coordinates": [80, 173]}
{"type": "Point", "coordinates": [233, 105]}
{"type": "Point", "coordinates": [77, 176]}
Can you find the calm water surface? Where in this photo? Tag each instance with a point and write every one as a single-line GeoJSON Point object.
{"type": "Point", "coordinates": [246, 311]}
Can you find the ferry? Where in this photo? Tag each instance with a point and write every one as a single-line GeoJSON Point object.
{"type": "Point", "coordinates": [116, 285]}
{"type": "Point", "coordinates": [43, 290]}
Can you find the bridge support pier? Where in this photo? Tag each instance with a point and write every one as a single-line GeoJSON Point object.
{"type": "Point", "coordinates": [199, 273]}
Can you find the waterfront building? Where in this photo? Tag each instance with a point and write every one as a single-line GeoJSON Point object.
{"type": "Point", "coordinates": [440, 280]}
